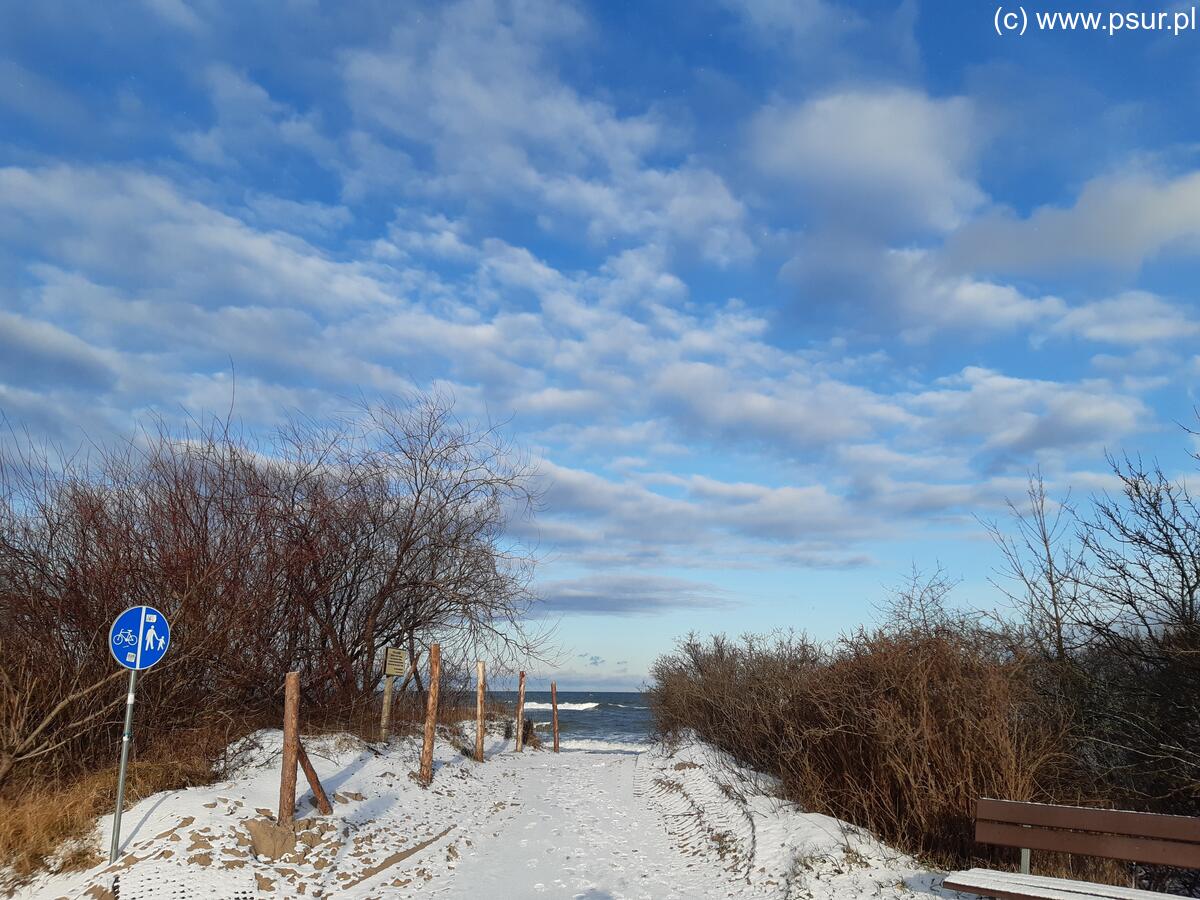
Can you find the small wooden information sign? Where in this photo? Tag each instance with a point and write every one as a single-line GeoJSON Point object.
{"type": "Point", "coordinates": [395, 661]}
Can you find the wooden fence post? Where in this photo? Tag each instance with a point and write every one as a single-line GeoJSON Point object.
{"type": "Point", "coordinates": [386, 716]}
{"type": "Point", "coordinates": [554, 716]}
{"type": "Point", "coordinates": [291, 744]}
{"type": "Point", "coordinates": [435, 676]}
{"type": "Point", "coordinates": [521, 713]}
{"type": "Point", "coordinates": [479, 711]}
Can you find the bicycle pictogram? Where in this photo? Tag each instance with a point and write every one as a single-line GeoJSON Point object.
{"type": "Point", "coordinates": [125, 638]}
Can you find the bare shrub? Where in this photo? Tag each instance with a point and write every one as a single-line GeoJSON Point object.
{"type": "Point", "coordinates": [896, 731]}
{"type": "Point", "coordinates": [311, 551]}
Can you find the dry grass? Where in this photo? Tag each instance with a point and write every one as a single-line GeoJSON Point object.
{"type": "Point", "coordinates": [35, 823]}
{"type": "Point", "coordinates": [1080, 868]}
{"type": "Point", "coordinates": [40, 819]}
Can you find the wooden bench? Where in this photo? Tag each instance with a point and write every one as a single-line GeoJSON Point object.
{"type": "Point", "coordinates": [1114, 834]}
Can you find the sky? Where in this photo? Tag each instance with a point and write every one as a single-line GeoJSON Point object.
{"type": "Point", "coordinates": [784, 297]}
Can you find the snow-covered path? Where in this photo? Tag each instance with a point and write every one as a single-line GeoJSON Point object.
{"type": "Point", "coordinates": [580, 828]}
{"type": "Point", "coordinates": [596, 821]}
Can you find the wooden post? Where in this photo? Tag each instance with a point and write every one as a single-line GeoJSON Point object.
{"type": "Point", "coordinates": [313, 781]}
{"type": "Point", "coordinates": [479, 711]}
{"type": "Point", "coordinates": [554, 716]}
{"type": "Point", "coordinates": [521, 713]}
{"type": "Point", "coordinates": [435, 676]}
{"type": "Point", "coordinates": [386, 716]}
{"type": "Point", "coordinates": [291, 744]}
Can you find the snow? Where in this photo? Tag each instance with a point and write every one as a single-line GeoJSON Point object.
{"type": "Point", "coordinates": [598, 820]}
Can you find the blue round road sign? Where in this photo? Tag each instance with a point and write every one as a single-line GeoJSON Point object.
{"type": "Point", "coordinates": [139, 637]}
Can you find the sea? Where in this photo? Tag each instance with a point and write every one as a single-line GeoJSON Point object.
{"type": "Point", "coordinates": [621, 717]}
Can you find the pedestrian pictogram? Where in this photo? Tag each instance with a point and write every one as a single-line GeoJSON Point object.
{"type": "Point", "coordinates": [139, 637]}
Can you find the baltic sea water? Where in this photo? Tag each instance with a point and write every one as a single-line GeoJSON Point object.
{"type": "Point", "coordinates": [623, 717]}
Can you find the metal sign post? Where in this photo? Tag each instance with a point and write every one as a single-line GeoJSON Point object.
{"type": "Point", "coordinates": [126, 738]}
{"type": "Point", "coordinates": [138, 638]}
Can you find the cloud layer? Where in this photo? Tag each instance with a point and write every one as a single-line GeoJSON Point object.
{"type": "Point", "coordinates": [776, 301]}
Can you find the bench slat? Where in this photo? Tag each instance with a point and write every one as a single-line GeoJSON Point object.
{"type": "Point", "coordinates": [1005, 890]}
{"type": "Point", "coordinates": [1010, 886]}
{"type": "Point", "coordinates": [1111, 821]}
{"type": "Point", "coordinates": [1112, 846]}
{"type": "Point", "coordinates": [1121, 892]}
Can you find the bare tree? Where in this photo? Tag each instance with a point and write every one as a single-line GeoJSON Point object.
{"type": "Point", "coordinates": [1143, 562]}
{"type": "Point", "coordinates": [1042, 571]}
{"type": "Point", "coordinates": [401, 540]}
{"type": "Point", "coordinates": [1142, 574]}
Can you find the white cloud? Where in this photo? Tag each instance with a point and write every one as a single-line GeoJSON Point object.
{"type": "Point", "coordinates": [554, 401]}
{"type": "Point", "coordinates": [38, 354]}
{"type": "Point", "coordinates": [473, 80]}
{"type": "Point", "coordinates": [1118, 222]}
{"type": "Point", "coordinates": [911, 292]}
{"type": "Point", "coordinates": [688, 203]}
{"type": "Point", "coordinates": [1134, 317]}
{"type": "Point", "coordinates": [175, 12]}
{"type": "Point", "coordinates": [310, 218]}
{"type": "Point", "coordinates": [1019, 418]}
{"type": "Point", "coordinates": [628, 594]}
{"type": "Point", "coordinates": [788, 411]}
{"type": "Point", "coordinates": [251, 126]}
{"type": "Point", "coordinates": [427, 235]}
{"type": "Point", "coordinates": [891, 158]}
{"type": "Point", "coordinates": [638, 275]}
{"type": "Point", "coordinates": [130, 228]}
{"type": "Point", "coordinates": [794, 19]}
{"type": "Point", "coordinates": [932, 301]}
{"type": "Point", "coordinates": [266, 403]}
{"type": "Point", "coordinates": [474, 84]}
{"type": "Point", "coordinates": [803, 513]}
{"type": "Point", "coordinates": [652, 519]}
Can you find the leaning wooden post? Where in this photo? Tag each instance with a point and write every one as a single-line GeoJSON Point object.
{"type": "Point", "coordinates": [554, 715]}
{"type": "Point", "coordinates": [291, 745]}
{"type": "Point", "coordinates": [479, 711]}
{"type": "Point", "coordinates": [313, 781]}
{"type": "Point", "coordinates": [435, 675]}
{"type": "Point", "coordinates": [521, 713]}
{"type": "Point", "coordinates": [412, 671]}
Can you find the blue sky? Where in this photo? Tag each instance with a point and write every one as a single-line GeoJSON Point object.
{"type": "Point", "coordinates": [783, 295]}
